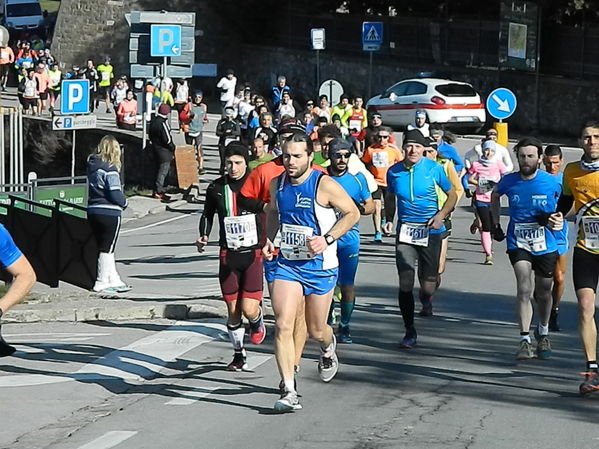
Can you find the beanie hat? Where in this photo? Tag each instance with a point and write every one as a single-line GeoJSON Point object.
{"type": "Point", "coordinates": [164, 109]}
{"type": "Point", "coordinates": [414, 136]}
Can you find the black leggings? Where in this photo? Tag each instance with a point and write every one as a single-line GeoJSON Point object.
{"type": "Point", "coordinates": [106, 230]}
{"type": "Point", "coordinates": [486, 218]}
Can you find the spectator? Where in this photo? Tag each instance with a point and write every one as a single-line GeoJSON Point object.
{"type": "Point", "coordinates": [164, 147]}
{"type": "Point", "coordinates": [105, 207]}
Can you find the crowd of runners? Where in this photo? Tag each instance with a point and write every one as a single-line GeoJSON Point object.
{"type": "Point", "coordinates": [295, 180]}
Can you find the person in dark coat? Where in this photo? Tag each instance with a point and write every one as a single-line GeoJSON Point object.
{"type": "Point", "coordinates": [164, 147]}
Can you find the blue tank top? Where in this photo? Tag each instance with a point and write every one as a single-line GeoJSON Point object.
{"type": "Point", "coordinates": [300, 217]}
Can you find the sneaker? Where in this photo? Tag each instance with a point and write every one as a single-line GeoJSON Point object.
{"type": "Point", "coordinates": [543, 348]}
{"type": "Point", "coordinates": [474, 227]}
{"type": "Point", "coordinates": [258, 331]}
{"type": "Point", "coordinates": [378, 237]}
{"type": "Point", "coordinates": [488, 260]}
{"type": "Point", "coordinates": [288, 402]}
{"type": "Point", "coordinates": [122, 288]}
{"type": "Point", "coordinates": [524, 351]}
{"type": "Point", "coordinates": [344, 335]}
{"type": "Point", "coordinates": [554, 321]}
{"type": "Point", "coordinates": [282, 390]}
{"type": "Point", "coordinates": [239, 362]}
{"type": "Point", "coordinates": [328, 364]}
{"type": "Point", "coordinates": [409, 340]}
{"type": "Point", "coordinates": [590, 384]}
{"type": "Point", "coordinates": [427, 310]}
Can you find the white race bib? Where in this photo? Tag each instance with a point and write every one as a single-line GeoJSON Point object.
{"type": "Point", "coordinates": [530, 237]}
{"type": "Point", "coordinates": [414, 234]}
{"type": "Point", "coordinates": [380, 159]}
{"type": "Point", "coordinates": [590, 226]}
{"type": "Point", "coordinates": [485, 185]}
{"type": "Point", "coordinates": [4, 54]}
{"type": "Point", "coordinates": [241, 232]}
{"type": "Point", "coordinates": [294, 242]}
{"type": "Point", "coordinates": [355, 124]}
{"type": "Point", "coordinates": [105, 76]}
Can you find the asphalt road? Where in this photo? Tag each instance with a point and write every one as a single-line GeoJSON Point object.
{"type": "Point", "coordinates": [159, 384]}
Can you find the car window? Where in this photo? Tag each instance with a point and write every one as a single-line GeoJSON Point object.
{"type": "Point", "coordinates": [416, 88]}
{"type": "Point", "coordinates": [399, 89]}
{"type": "Point", "coordinates": [23, 10]}
{"type": "Point", "coordinates": [456, 90]}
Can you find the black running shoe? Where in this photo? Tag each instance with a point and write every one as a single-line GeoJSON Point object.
{"type": "Point", "coordinates": [239, 362]}
{"type": "Point", "coordinates": [590, 384]}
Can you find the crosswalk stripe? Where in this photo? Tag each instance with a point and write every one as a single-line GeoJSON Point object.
{"type": "Point", "coordinates": [109, 439]}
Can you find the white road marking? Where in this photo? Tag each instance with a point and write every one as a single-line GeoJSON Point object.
{"type": "Point", "coordinates": [109, 439]}
{"type": "Point", "coordinates": [254, 361]}
{"type": "Point", "coordinates": [128, 231]}
{"type": "Point", "coordinates": [141, 360]}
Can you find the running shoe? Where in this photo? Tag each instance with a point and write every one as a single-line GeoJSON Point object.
{"type": "Point", "coordinates": [239, 362]}
{"type": "Point", "coordinates": [328, 364]}
{"type": "Point", "coordinates": [282, 389]}
{"type": "Point", "coordinates": [474, 227]}
{"type": "Point", "coordinates": [427, 310]}
{"type": "Point", "coordinates": [524, 351]}
{"type": "Point", "coordinates": [258, 331]}
{"type": "Point", "coordinates": [488, 259]}
{"type": "Point", "coordinates": [378, 237]}
{"type": "Point", "coordinates": [288, 402]}
{"type": "Point", "coordinates": [337, 294]}
{"type": "Point", "coordinates": [123, 288]}
{"type": "Point", "coordinates": [590, 384]}
{"type": "Point", "coordinates": [554, 321]}
{"type": "Point", "coordinates": [344, 335]}
{"type": "Point", "coordinates": [6, 349]}
{"type": "Point", "coordinates": [543, 348]}
{"type": "Point", "coordinates": [409, 340]}
{"type": "Point", "coordinates": [159, 196]}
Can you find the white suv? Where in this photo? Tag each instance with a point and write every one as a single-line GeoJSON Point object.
{"type": "Point", "coordinates": [451, 103]}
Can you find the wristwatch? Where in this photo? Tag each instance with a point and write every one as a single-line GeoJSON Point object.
{"type": "Point", "coordinates": [1, 313]}
{"type": "Point", "coordinates": [329, 239]}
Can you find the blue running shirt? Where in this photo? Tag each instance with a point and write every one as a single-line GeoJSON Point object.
{"type": "Point", "coordinates": [9, 253]}
{"type": "Point", "coordinates": [357, 189]}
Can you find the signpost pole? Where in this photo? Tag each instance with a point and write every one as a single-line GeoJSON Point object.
{"type": "Point", "coordinates": [164, 63]}
{"type": "Point", "coordinates": [370, 75]}
{"type": "Point", "coordinates": [73, 160]}
{"type": "Point", "coordinates": [317, 69]}
{"type": "Point", "coordinates": [2, 147]}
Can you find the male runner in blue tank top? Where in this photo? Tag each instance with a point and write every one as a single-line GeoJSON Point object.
{"type": "Point", "coordinates": [348, 246]}
{"type": "Point", "coordinates": [532, 241]}
{"type": "Point", "coordinates": [420, 225]}
{"type": "Point", "coordinates": [17, 265]}
{"type": "Point", "coordinates": [303, 206]}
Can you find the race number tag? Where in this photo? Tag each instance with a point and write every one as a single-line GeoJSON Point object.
{"type": "Point", "coordinates": [590, 226]}
{"type": "Point", "coordinates": [294, 242]}
{"type": "Point", "coordinates": [414, 234]}
{"type": "Point", "coordinates": [355, 124]}
{"type": "Point", "coordinates": [4, 54]}
{"type": "Point", "coordinates": [380, 159]}
{"type": "Point", "coordinates": [530, 237]}
{"type": "Point", "coordinates": [485, 185]}
{"type": "Point", "coordinates": [240, 232]}
{"type": "Point", "coordinates": [105, 76]}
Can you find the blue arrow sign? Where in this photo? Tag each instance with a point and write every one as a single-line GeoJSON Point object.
{"type": "Point", "coordinates": [501, 103]}
{"type": "Point", "coordinates": [165, 40]}
{"type": "Point", "coordinates": [372, 36]}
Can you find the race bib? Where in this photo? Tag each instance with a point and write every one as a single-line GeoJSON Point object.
{"type": "Point", "coordinates": [380, 159]}
{"type": "Point", "coordinates": [294, 242]}
{"type": "Point", "coordinates": [4, 54]}
{"type": "Point", "coordinates": [414, 234]}
{"type": "Point", "coordinates": [240, 232]}
{"type": "Point", "coordinates": [590, 226]}
{"type": "Point", "coordinates": [530, 237]}
{"type": "Point", "coordinates": [355, 124]}
{"type": "Point", "coordinates": [105, 76]}
{"type": "Point", "coordinates": [485, 185]}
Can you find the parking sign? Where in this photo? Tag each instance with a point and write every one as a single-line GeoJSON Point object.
{"type": "Point", "coordinates": [74, 98]}
{"type": "Point", "coordinates": [165, 40]}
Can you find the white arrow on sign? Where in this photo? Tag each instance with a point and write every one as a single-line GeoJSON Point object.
{"type": "Point", "coordinates": [175, 49]}
{"type": "Point", "coordinates": [504, 105]}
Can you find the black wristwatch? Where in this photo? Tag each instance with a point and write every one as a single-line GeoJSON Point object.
{"type": "Point", "coordinates": [1, 313]}
{"type": "Point", "coordinates": [329, 239]}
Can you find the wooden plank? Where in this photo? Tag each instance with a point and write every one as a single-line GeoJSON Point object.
{"type": "Point", "coordinates": [187, 167]}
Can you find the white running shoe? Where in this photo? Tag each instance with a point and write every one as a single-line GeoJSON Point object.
{"type": "Point", "coordinates": [288, 402]}
{"type": "Point", "coordinates": [328, 364]}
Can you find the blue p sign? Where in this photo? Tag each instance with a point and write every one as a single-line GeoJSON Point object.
{"type": "Point", "coordinates": [165, 40]}
{"type": "Point", "coordinates": [74, 98]}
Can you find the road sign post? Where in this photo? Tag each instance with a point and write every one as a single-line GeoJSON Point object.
{"type": "Point", "coordinates": [372, 39]}
{"type": "Point", "coordinates": [317, 36]}
{"type": "Point", "coordinates": [501, 104]}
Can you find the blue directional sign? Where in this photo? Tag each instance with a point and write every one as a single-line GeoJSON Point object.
{"type": "Point", "coordinates": [372, 36]}
{"type": "Point", "coordinates": [165, 40]}
{"type": "Point", "coordinates": [74, 97]}
{"type": "Point", "coordinates": [501, 103]}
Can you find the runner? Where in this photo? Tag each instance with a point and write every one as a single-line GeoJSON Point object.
{"type": "Point", "coordinates": [485, 174]}
{"type": "Point", "coordinates": [7, 58]}
{"type": "Point", "coordinates": [581, 189]}
{"type": "Point", "coordinates": [303, 204]}
{"type": "Point", "coordinates": [420, 123]}
{"type": "Point", "coordinates": [348, 246]}
{"type": "Point", "coordinates": [378, 158]}
{"type": "Point", "coordinates": [449, 169]}
{"type": "Point", "coordinates": [531, 242]}
{"type": "Point", "coordinates": [106, 74]}
{"type": "Point", "coordinates": [369, 135]}
{"type": "Point", "coordinates": [414, 182]}
{"type": "Point", "coordinates": [240, 258]}
{"type": "Point", "coordinates": [227, 130]}
{"type": "Point", "coordinates": [17, 265]}
{"type": "Point", "coordinates": [259, 156]}
{"type": "Point", "coordinates": [55, 75]}
{"type": "Point", "coordinates": [553, 161]}
{"type": "Point", "coordinates": [193, 117]}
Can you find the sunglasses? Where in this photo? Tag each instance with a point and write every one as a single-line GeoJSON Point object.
{"type": "Point", "coordinates": [340, 155]}
{"type": "Point", "coordinates": [384, 137]}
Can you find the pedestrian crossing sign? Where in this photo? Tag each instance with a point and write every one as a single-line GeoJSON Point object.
{"type": "Point", "coordinates": [372, 36]}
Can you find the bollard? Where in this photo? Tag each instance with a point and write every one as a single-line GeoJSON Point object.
{"type": "Point", "coordinates": [502, 133]}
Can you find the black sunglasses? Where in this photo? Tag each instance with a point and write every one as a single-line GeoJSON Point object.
{"type": "Point", "coordinates": [341, 155]}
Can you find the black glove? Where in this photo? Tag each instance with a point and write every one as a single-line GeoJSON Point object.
{"type": "Point", "coordinates": [498, 233]}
